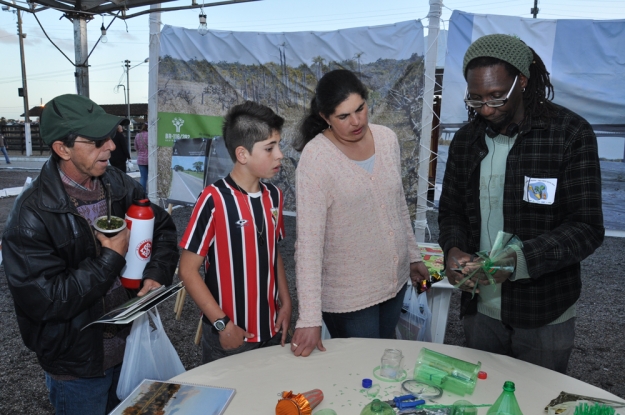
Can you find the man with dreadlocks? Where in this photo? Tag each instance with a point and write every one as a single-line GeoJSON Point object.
{"type": "Point", "coordinates": [528, 167]}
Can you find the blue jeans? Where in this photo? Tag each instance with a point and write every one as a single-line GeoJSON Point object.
{"type": "Point", "coordinates": [547, 346]}
{"type": "Point", "coordinates": [375, 322]}
{"type": "Point", "coordinates": [6, 156]}
{"type": "Point", "coordinates": [93, 396]}
{"type": "Point", "coordinates": [143, 170]}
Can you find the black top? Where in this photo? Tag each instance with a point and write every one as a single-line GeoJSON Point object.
{"type": "Point", "coordinates": [121, 153]}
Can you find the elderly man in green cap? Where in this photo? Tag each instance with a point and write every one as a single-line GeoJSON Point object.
{"type": "Point", "coordinates": [528, 167]}
{"type": "Point", "coordinates": [61, 273]}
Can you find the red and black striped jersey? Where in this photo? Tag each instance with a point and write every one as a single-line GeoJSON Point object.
{"type": "Point", "coordinates": [237, 233]}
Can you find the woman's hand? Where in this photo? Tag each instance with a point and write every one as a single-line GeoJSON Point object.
{"type": "Point", "coordinates": [305, 340]}
{"type": "Point", "coordinates": [418, 273]}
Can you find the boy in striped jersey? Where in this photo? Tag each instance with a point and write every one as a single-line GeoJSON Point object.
{"type": "Point", "coordinates": [234, 229]}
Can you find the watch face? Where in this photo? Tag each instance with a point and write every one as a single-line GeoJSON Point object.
{"type": "Point", "coordinates": [219, 325]}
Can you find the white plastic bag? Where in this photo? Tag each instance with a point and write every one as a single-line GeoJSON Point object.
{"type": "Point", "coordinates": [130, 166]}
{"type": "Point", "coordinates": [415, 318]}
{"type": "Point", "coordinates": [149, 355]}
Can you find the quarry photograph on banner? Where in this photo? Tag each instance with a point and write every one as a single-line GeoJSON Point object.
{"type": "Point", "coordinates": [202, 77]}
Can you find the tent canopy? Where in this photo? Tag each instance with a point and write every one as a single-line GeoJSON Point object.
{"type": "Point", "coordinates": [114, 7]}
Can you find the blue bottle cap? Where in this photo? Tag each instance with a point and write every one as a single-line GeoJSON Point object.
{"type": "Point", "coordinates": [366, 383]}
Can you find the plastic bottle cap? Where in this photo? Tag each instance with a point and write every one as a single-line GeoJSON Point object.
{"type": "Point", "coordinates": [482, 375]}
{"type": "Point", "coordinates": [366, 383]}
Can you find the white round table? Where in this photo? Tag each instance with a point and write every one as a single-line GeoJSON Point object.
{"type": "Point", "coordinates": [260, 376]}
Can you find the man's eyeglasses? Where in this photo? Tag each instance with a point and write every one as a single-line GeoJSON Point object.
{"type": "Point", "coordinates": [97, 143]}
{"type": "Point", "coordinates": [493, 103]}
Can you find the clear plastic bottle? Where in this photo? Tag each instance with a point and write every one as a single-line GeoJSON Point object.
{"type": "Point", "coordinates": [506, 404]}
{"type": "Point", "coordinates": [377, 407]}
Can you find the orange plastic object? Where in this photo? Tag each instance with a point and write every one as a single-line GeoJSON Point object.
{"type": "Point", "coordinates": [299, 404]}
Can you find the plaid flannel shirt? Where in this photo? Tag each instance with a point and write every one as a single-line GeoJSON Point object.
{"type": "Point", "coordinates": [555, 237]}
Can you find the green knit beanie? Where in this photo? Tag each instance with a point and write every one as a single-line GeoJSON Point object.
{"type": "Point", "coordinates": [504, 47]}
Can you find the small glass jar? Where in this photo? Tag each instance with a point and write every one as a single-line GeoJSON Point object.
{"type": "Point", "coordinates": [390, 366]}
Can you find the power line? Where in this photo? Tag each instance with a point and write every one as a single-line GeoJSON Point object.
{"type": "Point", "coordinates": [49, 75]}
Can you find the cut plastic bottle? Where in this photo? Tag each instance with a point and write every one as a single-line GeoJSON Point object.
{"type": "Point", "coordinates": [377, 407]}
{"type": "Point", "coordinates": [506, 404]}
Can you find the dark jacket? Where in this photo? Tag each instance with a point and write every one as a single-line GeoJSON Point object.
{"type": "Point", "coordinates": [555, 237]}
{"type": "Point", "coordinates": [58, 272]}
{"type": "Point", "coordinates": [121, 153]}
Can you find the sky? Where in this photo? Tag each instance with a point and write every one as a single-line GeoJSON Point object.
{"type": "Point", "coordinates": [49, 73]}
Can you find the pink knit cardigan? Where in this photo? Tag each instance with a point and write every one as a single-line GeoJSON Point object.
{"type": "Point", "coordinates": [354, 237]}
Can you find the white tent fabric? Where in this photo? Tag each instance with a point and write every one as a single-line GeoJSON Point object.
{"type": "Point", "coordinates": [250, 48]}
{"type": "Point", "coordinates": [586, 59]}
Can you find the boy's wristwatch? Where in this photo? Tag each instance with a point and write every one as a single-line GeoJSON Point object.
{"type": "Point", "coordinates": [220, 323]}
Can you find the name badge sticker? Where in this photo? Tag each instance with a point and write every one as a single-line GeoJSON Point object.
{"type": "Point", "coordinates": [541, 191]}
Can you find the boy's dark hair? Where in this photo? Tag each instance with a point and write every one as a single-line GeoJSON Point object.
{"type": "Point", "coordinates": [249, 123]}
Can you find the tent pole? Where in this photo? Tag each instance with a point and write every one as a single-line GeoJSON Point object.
{"type": "Point", "coordinates": [155, 41]}
{"type": "Point", "coordinates": [434, 16]}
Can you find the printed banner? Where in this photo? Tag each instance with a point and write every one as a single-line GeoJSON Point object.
{"type": "Point", "coordinates": [190, 137]}
{"type": "Point", "coordinates": [174, 126]}
{"type": "Point", "coordinates": [202, 77]}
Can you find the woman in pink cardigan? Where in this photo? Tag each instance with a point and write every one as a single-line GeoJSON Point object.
{"type": "Point", "coordinates": [355, 247]}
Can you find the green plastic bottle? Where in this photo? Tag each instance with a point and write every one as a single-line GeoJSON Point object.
{"type": "Point", "coordinates": [377, 407]}
{"type": "Point", "coordinates": [506, 404]}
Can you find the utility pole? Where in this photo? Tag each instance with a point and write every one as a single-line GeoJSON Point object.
{"type": "Point", "coordinates": [535, 9]}
{"type": "Point", "coordinates": [28, 140]}
{"type": "Point", "coordinates": [127, 62]}
{"type": "Point", "coordinates": [81, 52]}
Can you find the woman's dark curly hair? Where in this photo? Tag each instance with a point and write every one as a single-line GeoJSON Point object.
{"type": "Point", "coordinates": [332, 89]}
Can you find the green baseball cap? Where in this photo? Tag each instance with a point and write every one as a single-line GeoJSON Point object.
{"type": "Point", "coordinates": [75, 114]}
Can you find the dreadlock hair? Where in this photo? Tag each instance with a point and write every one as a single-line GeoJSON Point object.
{"type": "Point", "coordinates": [538, 93]}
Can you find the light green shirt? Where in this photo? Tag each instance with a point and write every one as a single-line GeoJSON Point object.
{"type": "Point", "coordinates": [492, 180]}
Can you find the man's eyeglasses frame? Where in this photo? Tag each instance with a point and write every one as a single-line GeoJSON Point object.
{"type": "Point", "coordinates": [493, 103]}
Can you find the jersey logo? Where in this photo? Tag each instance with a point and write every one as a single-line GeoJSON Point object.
{"type": "Point", "coordinates": [241, 223]}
